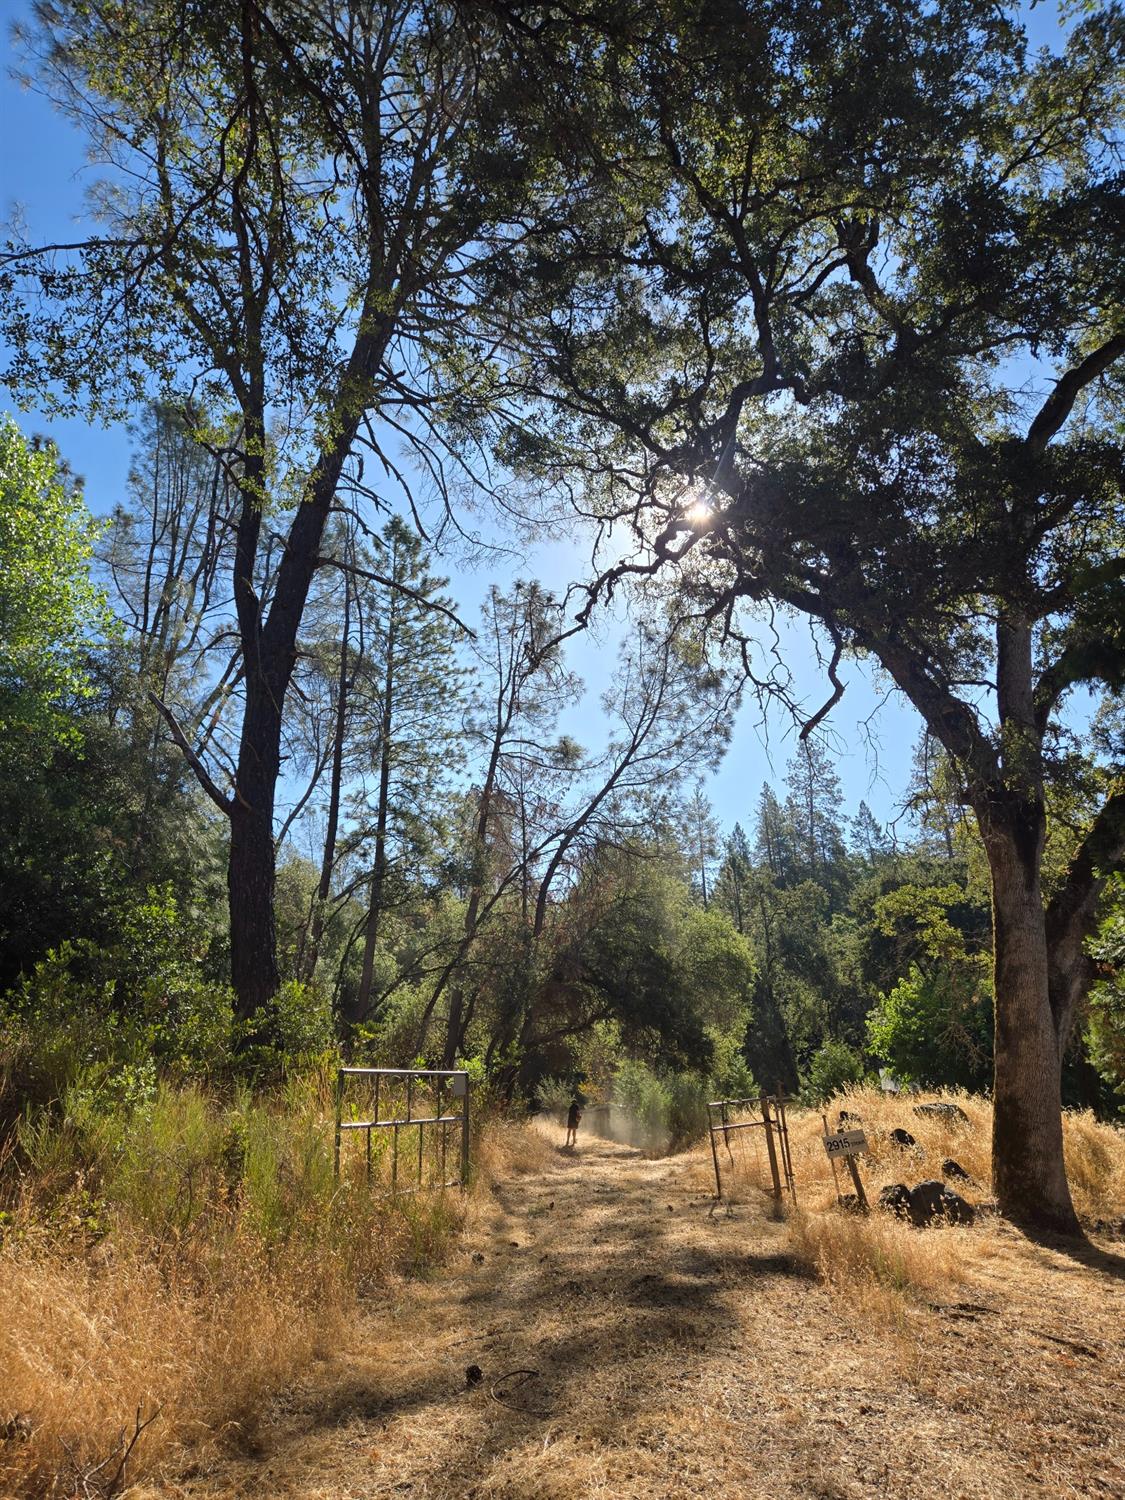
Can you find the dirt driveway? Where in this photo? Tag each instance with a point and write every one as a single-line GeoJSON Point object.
{"type": "Point", "coordinates": [679, 1352]}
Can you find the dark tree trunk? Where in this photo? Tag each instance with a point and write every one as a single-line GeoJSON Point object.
{"type": "Point", "coordinates": [1028, 1170]}
{"type": "Point", "coordinates": [252, 864]}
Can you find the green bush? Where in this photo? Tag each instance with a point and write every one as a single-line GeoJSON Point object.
{"type": "Point", "coordinates": [670, 1107]}
{"type": "Point", "coordinates": [554, 1095]}
{"type": "Point", "coordinates": [935, 1028]}
{"type": "Point", "coordinates": [833, 1068]}
{"type": "Point", "coordinates": [731, 1077]}
{"type": "Point", "coordinates": [642, 1095]}
{"type": "Point", "coordinates": [688, 1095]}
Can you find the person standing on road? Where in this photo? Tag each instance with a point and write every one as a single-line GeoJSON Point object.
{"type": "Point", "coordinates": [574, 1114]}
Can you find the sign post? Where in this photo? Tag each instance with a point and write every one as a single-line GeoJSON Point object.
{"type": "Point", "coordinates": [846, 1144]}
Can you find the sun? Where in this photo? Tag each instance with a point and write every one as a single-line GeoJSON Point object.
{"type": "Point", "coordinates": [697, 507]}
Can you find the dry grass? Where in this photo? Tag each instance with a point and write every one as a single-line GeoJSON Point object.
{"type": "Point", "coordinates": [109, 1310]}
{"type": "Point", "coordinates": [682, 1350]}
{"type": "Point", "coordinates": [879, 1259]}
{"type": "Point", "coordinates": [84, 1346]}
{"type": "Point", "coordinates": [1095, 1152]}
{"type": "Point", "coordinates": [512, 1148]}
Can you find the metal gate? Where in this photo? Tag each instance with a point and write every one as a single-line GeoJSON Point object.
{"type": "Point", "coordinates": [399, 1103]}
{"type": "Point", "coordinates": [731, 1118]}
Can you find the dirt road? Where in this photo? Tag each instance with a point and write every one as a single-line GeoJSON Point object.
{"type": "Point", "coordinates": [679, 1352]}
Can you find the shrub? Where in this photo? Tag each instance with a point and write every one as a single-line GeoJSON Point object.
{"type": "Point", "coordinates": [833, 1068]}
{"type": "Point", "coordinates": [935, 1028]}
{"type": "Point", "coordinates": [554, 1095]}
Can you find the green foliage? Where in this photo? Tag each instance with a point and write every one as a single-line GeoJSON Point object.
{"type": "Point", "coordinates": [176, 1164]}
{"type": "Point", "coordinates": [669, 1107]}
{"type": "Point", "coordinates": [730, 1076]}
{"type": "Point", "coordinates": [644, 1096]}
{"type": "Point", "coordinates": [935, 1028]}
{"type": "Point", "coordinates": [294, 1029]}
{"type": "Point", "coordinates": [87, 830]}
{"type": "Point", "coordinates": [96, 1027]}
{"type": "Point", "coordinates": [144, 991]}
{"type": "Point", "coordinates": [51, 614]}
{"type": "Point", "coordinates": [553, 1095]}
{"type": "Point", "coordinates": [1106, 1026]}
{"type": "Point", "coordinates": [834, 1066]}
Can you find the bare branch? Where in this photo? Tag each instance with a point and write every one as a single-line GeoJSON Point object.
{"type": "Point", "coordinates": [224, 804]}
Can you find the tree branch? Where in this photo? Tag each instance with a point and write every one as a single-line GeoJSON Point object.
{"type": "Point", "coordinates": [224, 804]}
{"type": "Point", "coordinates": [1060, 403]}
{"type": "Point", "coordinates": [1070, 915]}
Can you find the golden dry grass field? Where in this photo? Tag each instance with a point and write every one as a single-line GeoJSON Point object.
{"type": "Point", "coordinates": [683, 1350]}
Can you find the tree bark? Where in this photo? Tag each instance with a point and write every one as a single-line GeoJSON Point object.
{"type": "Point", "coordinates": [1029, 1175]}
{"type": "Point", "coordinates": [252, 864]}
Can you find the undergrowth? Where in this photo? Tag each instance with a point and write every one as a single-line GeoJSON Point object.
{"type": "Point", "coordinates": [184, 1253]}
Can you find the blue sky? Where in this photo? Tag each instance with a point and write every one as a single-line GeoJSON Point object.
{"type": "Point", "coordinates": [42, 173]}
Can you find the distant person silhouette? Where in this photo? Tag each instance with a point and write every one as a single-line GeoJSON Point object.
{"type": "Point", "coordinates": [574, 1114]}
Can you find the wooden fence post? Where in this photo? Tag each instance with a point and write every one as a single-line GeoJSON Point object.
{"type": "Point", "coordinates": [768, 1123]}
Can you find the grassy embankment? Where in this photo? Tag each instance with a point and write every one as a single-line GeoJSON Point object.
{"type": "Point", "coordinates": [878, 1261]}
{"type": "Point", "coordinates": [186, 1256]}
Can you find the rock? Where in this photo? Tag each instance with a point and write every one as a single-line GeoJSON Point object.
{"type": "Point", "coordinates": [957, 1209]}
{"type": "Point", "coordinates": [925, 1202]}
{"type": "Point", "coordinates": [932, 1200]}
{"type": "Point", "coordinates": [942, 1110]}
{"type": "Point", "coordinates": [903, 1138]}
{"type": "Point", "coordinates": [895, 1199]}
{"type": "Point", "coordinates": [951, 1168]}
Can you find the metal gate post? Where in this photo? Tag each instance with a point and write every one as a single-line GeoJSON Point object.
{"type": "Point", "coordinates": [465, 1135]}
{"type": "Point", "coordinates": [714, 1151]}
{"type": "Point", "coordinates": [339, 1106]}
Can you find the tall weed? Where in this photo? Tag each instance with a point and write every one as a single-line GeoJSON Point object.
{"type": "Point", "coordinates": [151, 1239]}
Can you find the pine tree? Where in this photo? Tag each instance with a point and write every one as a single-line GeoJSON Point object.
{"type": "Point", "coordinates": [814, 809]}
{"type": "Point", "coordinates": [730, 894]}
{"type": "Point", "coordinates": [866, 836]}
{"type": "Point", "coordinates": [406, 703]}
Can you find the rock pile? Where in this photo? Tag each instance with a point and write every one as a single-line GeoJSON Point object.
{"type": "Point", "coordinates": [925, 1203]}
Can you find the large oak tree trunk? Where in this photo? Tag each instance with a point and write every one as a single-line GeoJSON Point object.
{"type": "Point", "coordinates": [1029, 1175]}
